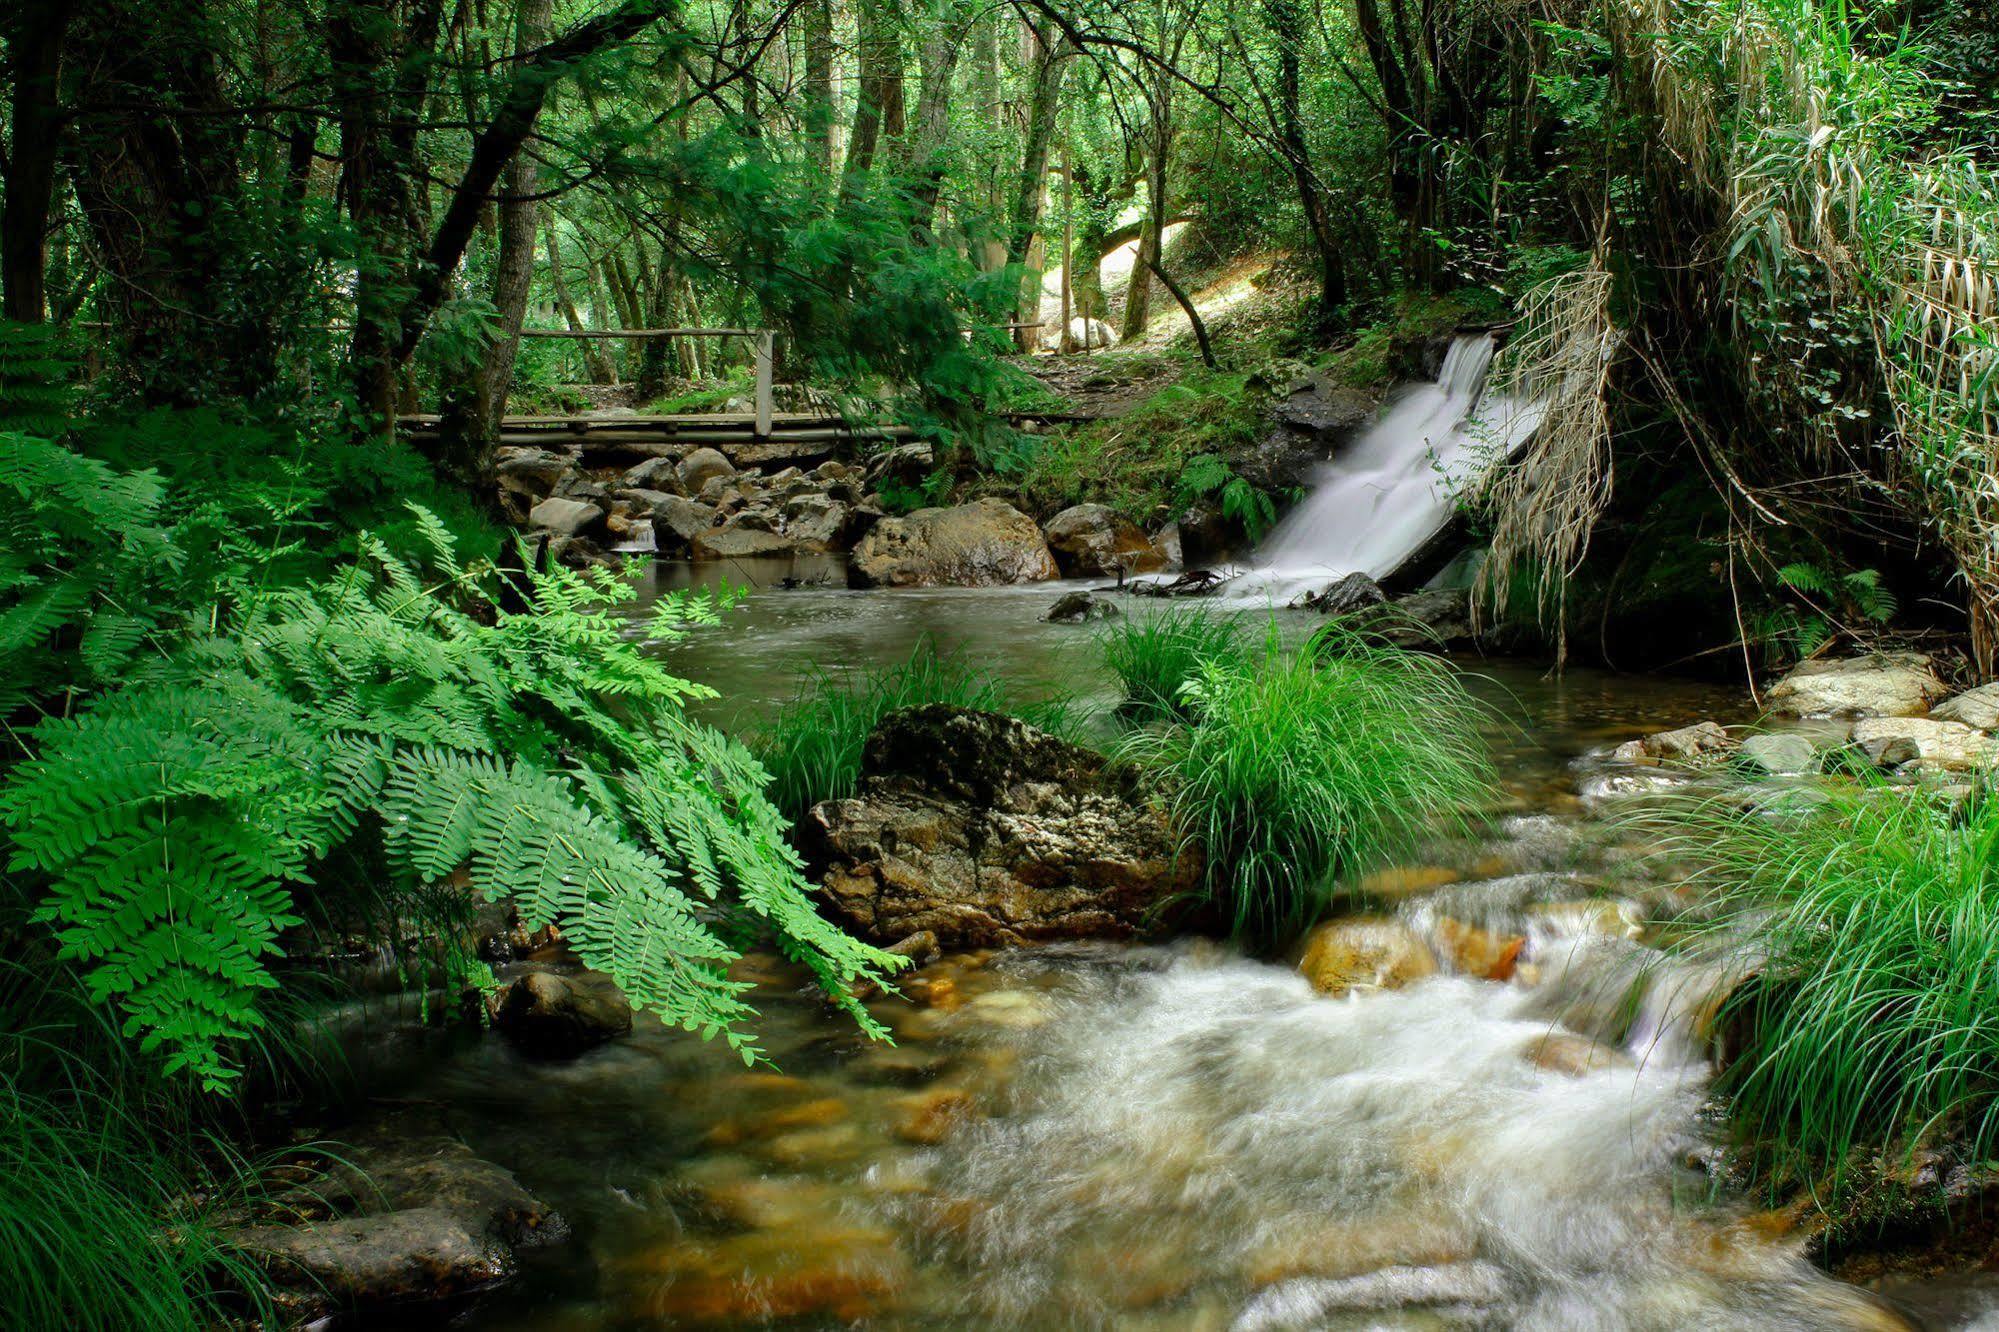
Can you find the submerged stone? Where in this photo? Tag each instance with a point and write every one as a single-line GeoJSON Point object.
{"type": "Point", "coordinates": [1779, 753]}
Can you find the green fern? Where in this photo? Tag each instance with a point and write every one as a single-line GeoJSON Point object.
{"type": "Point", "coordinates": [183, 812]}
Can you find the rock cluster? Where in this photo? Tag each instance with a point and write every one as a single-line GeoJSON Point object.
{"type": "Point", "coordinates": [698, 504]}
{"type": "Point", "coordinates": [985, 831]}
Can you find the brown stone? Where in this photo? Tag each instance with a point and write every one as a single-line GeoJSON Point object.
{"type": "Point", "coordinates": [1471, 951]}
{"type": "Point", "coordinates": [1571, 1055]}
{"type": "Point", "coordinates": [772, 1275]}
{"type": "Point", "coordinates": [1364, 952]}
{"type": "Point", "coordinates": [983, 544]}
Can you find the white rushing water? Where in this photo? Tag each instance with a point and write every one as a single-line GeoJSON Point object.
{"type": "Point", "coordinates": [1396, 486]}
{"type": "Point", "coordinates": [1388, 1160]}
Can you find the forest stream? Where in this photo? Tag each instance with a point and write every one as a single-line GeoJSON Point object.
{"type": "Point", "coordinates": [1179, 1136]}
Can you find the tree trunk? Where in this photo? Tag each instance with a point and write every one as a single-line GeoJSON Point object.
{"type": "Point", "coordinates": [879, 113]}
{"type": "Point", "coordinates": [818, 23]}
{"type": "Point", "coordinates": [472, 413]}
{"type": "Point", "coordinates": [1051, 65]}
{"type": "Point", "coordinates": [34, 34]}
{"type": "Point", "coordinates": [1193, 315]}
{"type": "Point", "coordinates": [944, 38]}
{"type": "Point", "coordinates": [598, 365]}
{"type": "Point", "coordinates": [1152, 241]}
{"type": "Point", "coordinates": [1287, 28]}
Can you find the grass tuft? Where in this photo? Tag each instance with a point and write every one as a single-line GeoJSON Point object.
{"type": "Point", "coordinates": [1155, 657]}
{"type": "Point", "coordinates": [1871, 1023]}
{"type": "Point", "coordinates": [1301, 767]}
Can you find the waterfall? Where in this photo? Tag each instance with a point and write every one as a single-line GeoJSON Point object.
{"type": "Point", "coordinates": [1394, 488]}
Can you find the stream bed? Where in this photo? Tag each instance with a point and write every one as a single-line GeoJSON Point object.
{"type": "Point", "coordinates": [1178, 1136]}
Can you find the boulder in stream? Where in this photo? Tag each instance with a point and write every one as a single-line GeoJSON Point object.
{"type": "Point", "coordinates": [1364, 953]}
{"type": "Point", "coordinates": [1974, 707]}
{"type": "Point", "coordinates": [555, 1015]}
{"type": "Point", "coordinates": [1948, 745]}
{"type": "Point", "coordinates": [983, 544]}
{"type": "Point", "coordinates": [703, 466]}
{"type": "Point", "coordinates": [1884, 684]}
{"type": "Point", "coordinates": [404, 1215]}
{"type": "Point", "coordinates": [565, 517]}
{"type": "Point", "coordinates": [1077, 607]}
{"type": "Point", "coordinates": [1089, 539]}
{"type": "Point", "coordinates": [986, 831]}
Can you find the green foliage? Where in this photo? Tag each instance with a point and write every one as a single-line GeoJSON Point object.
{"type": "Point", "coordinates": [402, 701]}
{"type": "Point", "coordinates": [812, 747]}
{"type": "Point", "coordinates": [35, 373]}
{"type": "Point", "coordinates": [1155, 657]}
{"type": "Point", "coordinates": [1789, 632]}
{"type": "Point", "coordinates": [1206, 475]}
{"type": "Point", "coordinates": [1301, 767]}
{"type": "Point", "coordinates": [1178, 444]}
{"type": "Point", "coordinates": [1867, 1024]}
{"type": "Point", "coordinates": [899, 497]}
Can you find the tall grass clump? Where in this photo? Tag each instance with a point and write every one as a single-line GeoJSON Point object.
{"type": "Point", "coordinates": [1871, 1021]}
{"type": "Point", "coordinates": [1298, 768]}
{"type": "Point", "coordinates": [95, 1232]}
{"type": "Point", "coordinates": [1154, 657]}
{"type": "Point", "coordinates": [812, 747]}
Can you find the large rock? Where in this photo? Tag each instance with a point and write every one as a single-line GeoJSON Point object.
{"type": "Point", "coordinates": [661, 473]}
{"type": "Point", "coordinates": [403, 1216]}
{"type": "Point", "coordinates": [1887, 684]}
{"type": "Point", "coordinates": [529, 474]}
{"type": "Point", "coordinates": [1938, 744]}
{"type": "Point", "coordinates": [677, 521]}
{"type": "Point", "coordinates": [982, 544]}
{"type": "Point", "coordinates": [1688, 742]}
{"type": "Point", "coordinates": [1974, 707]}
{"type": "Point", "coordinates": [556, 1016]}
{"type": "Point", "coordinates": [986, 831]}
{"type": "Point", "coordinates": [1089, 539]}
{"type": "Point", "coordinates": [565, 517]}
{"type": "Point", "coordinates": [1780, 753]}
{"type": "Point", "coordinates": [700, 467]}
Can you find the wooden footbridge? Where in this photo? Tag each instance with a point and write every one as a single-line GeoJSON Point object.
{"type": "Point", "coordinates": [760, 437]}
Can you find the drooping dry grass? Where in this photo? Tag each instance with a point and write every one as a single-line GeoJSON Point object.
{"type": "Point", "coordinates": [1546, 501]}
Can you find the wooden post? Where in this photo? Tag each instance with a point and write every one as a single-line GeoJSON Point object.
{"type": "Point", "coordinates": [765, 356]}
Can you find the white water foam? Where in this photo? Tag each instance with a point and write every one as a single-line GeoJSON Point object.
{"type": "Point", "coordinates": [1396, 487]}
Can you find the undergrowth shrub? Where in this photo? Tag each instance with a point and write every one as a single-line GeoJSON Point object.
{"type": "Point", "coordinates": [812, 746]}
{"type": "Point", "coordinates": [1868, 1024]}
{"type": "Point", "coordinates": [1300, 767]}
{"type": "Point", "coordinates": [1154, 657]}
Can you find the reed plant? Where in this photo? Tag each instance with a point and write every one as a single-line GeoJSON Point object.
{"type": "Point", "coordinates": [1297, 768]}
{"type": "Point", "coordinates": [812, 747]}
{"type": "Point", "coordinates": [1869, 1027]}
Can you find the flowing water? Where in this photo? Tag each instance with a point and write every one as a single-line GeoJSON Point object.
{"type": "Point", "coordinates": [1179, 1136]}
{"type": "Point", "coordinates": [1397, 485]}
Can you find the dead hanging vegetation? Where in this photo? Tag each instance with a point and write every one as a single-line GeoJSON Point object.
{"type": "Point", "coordinates": [1810, 132]}
{"type": "Point", "coordinates": [1545, 501]}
